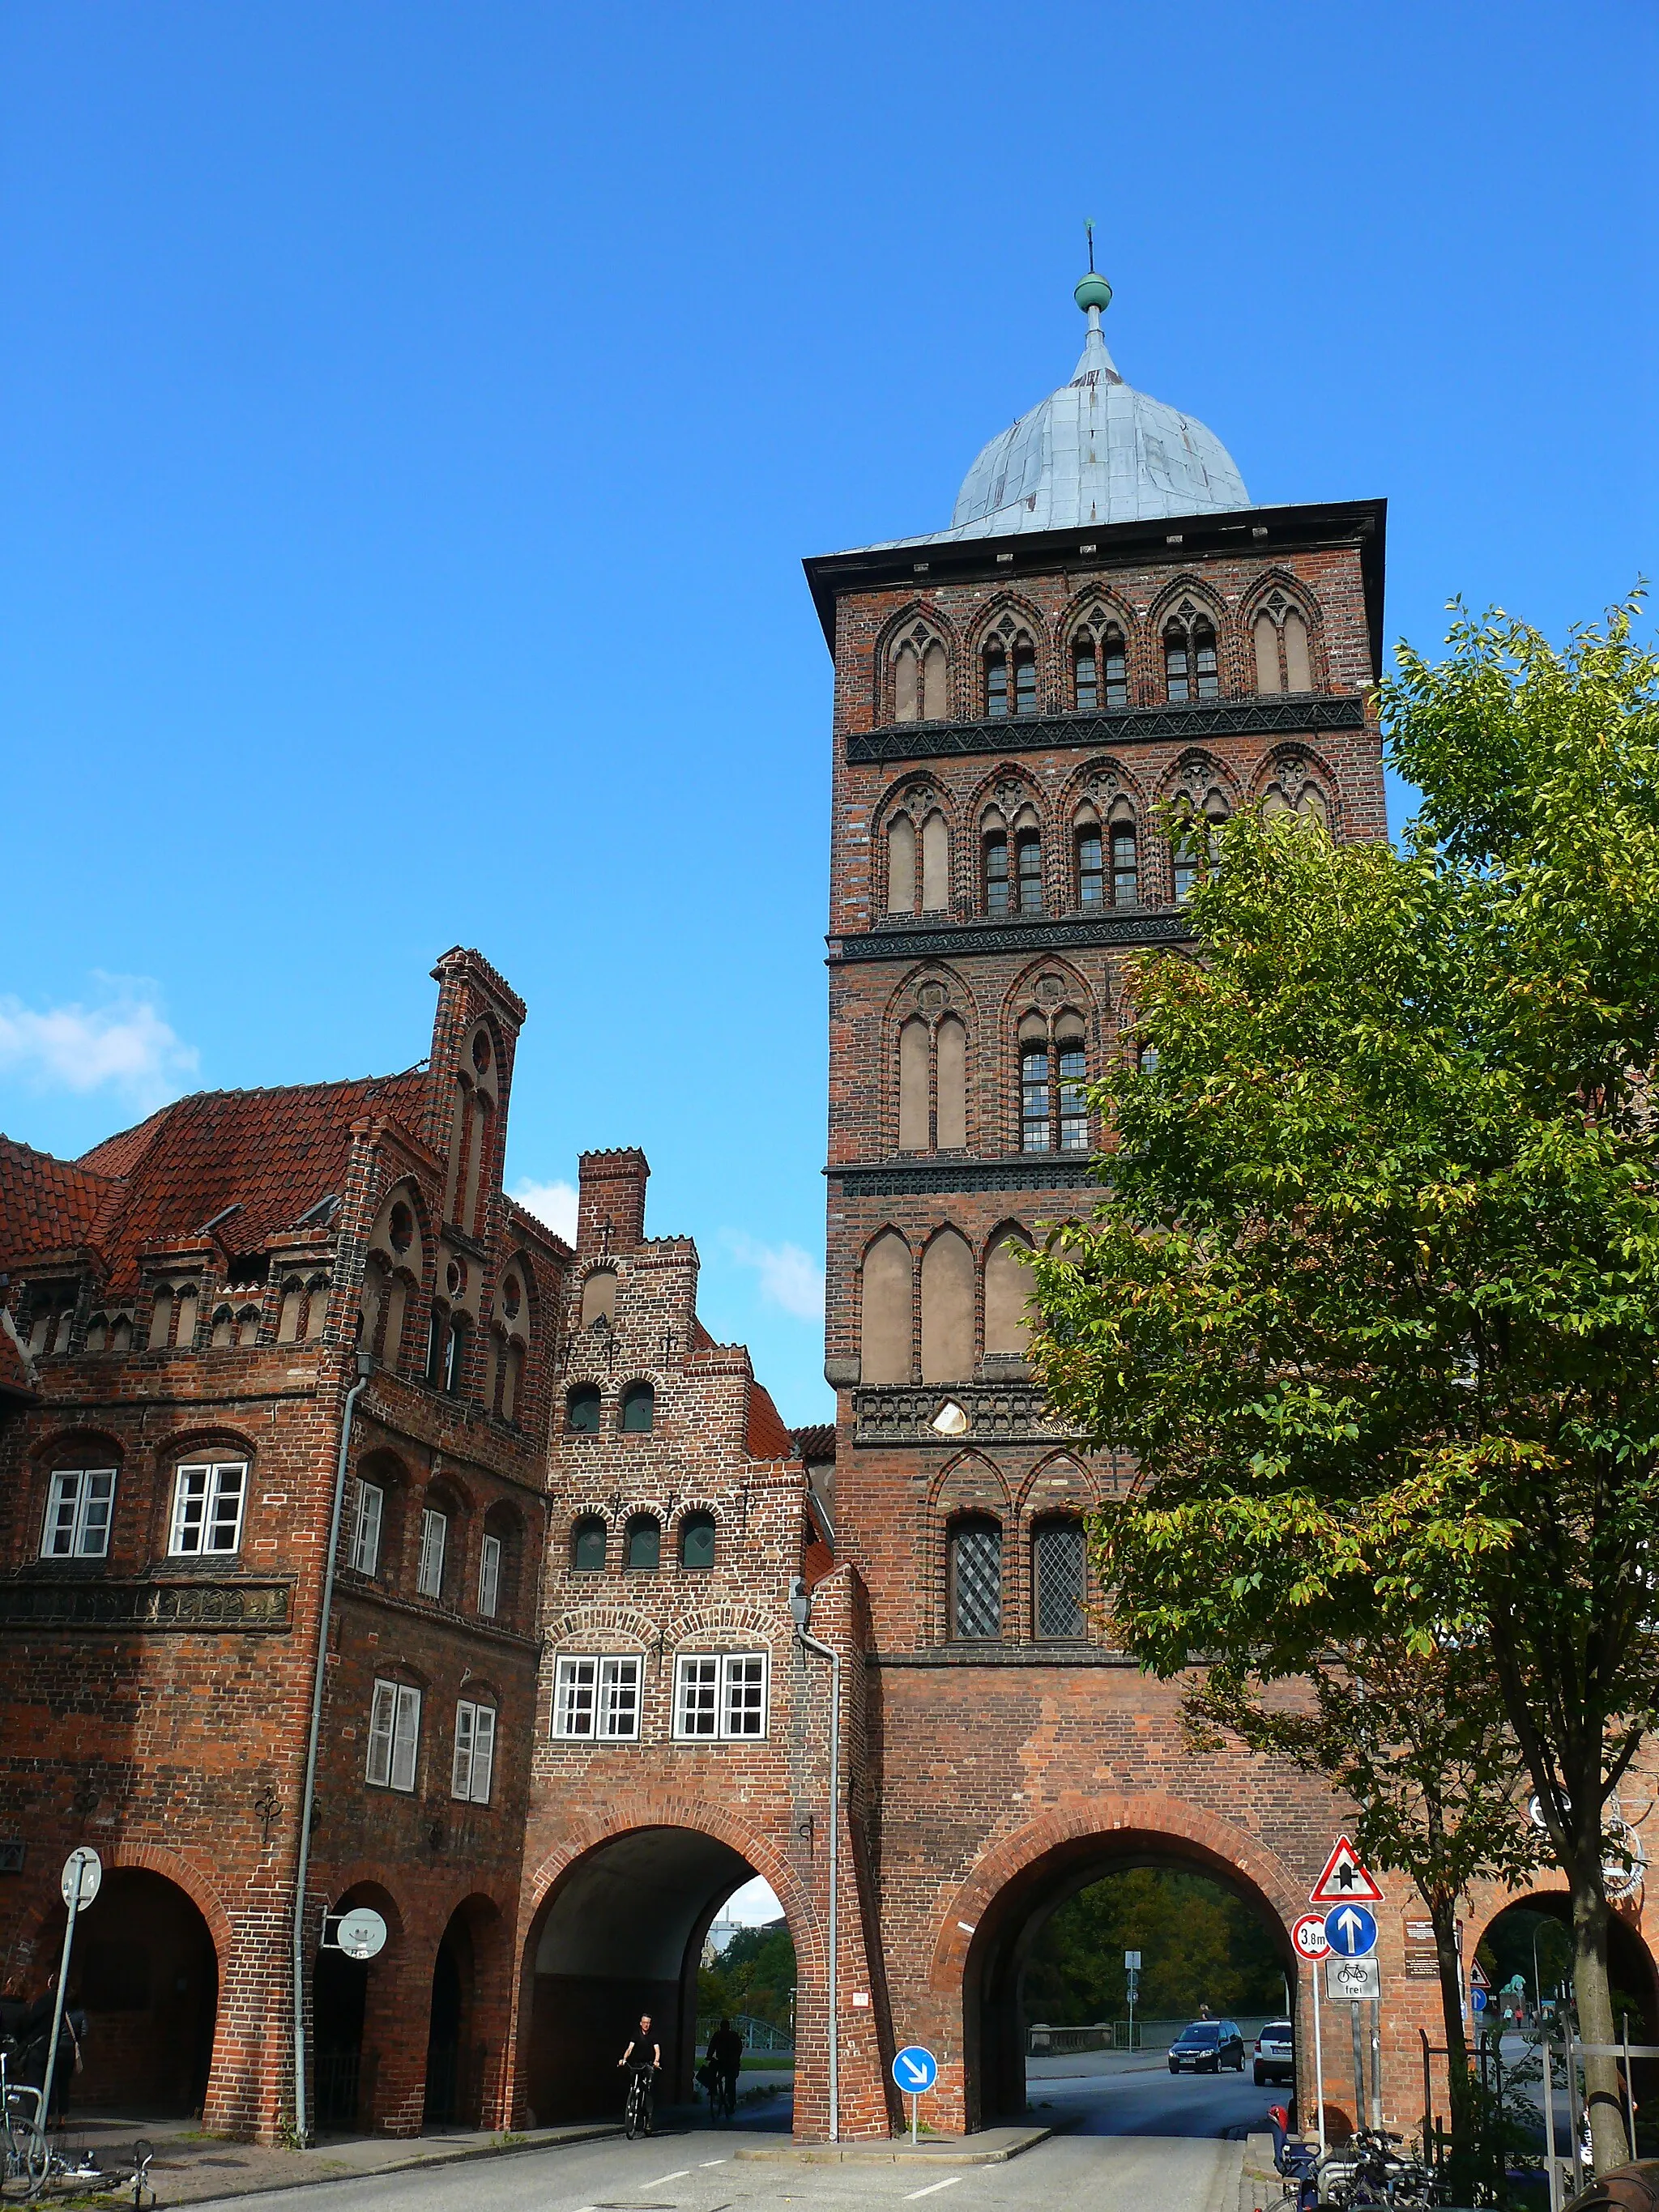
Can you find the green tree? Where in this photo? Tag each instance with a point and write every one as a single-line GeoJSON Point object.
{"type": "Point", "coordinates": [1198, 1945]}
{"type": "Point", "coordinates": [755, 1974]}
{"type": "Point", "coordinates": [1373, 1291]}
{"type": "Point", "coordinates": [1419, 1742]}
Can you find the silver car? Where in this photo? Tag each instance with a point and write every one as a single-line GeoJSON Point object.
{"type": "Point", "coordinates": [1275, 2053]}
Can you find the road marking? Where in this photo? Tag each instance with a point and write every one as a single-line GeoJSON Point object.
{"type": "Point", "coordinates": [934, 2187]}
{"type": "Point", "coordinates": [663, 2179]}
{"type": "Point", "coordinates": [715, 2161]}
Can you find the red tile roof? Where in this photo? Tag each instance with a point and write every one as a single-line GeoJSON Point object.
{"type": "Point", "coordinates": [270, 1154]}
{"type": "Point", "coordinates": [767, 1438]}
{"type": "Point", "coordinates": [48, 1205]}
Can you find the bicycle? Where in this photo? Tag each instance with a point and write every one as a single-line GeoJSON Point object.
{"type": "Point", "coordinates": [723, 2097]}
{"type": "Point", "coordinates": [639, 2112]}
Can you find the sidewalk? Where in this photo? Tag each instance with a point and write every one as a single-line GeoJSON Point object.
{"type": "Point", "coordinates": [190, 2166]}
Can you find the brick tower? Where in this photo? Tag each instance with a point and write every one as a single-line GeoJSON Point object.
{"type": "Point", "coordinates": [1107, 630]}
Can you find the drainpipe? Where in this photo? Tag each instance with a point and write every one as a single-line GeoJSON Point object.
{"type": "Point", "coordinates": [301, 2129]}
{"type": "Point", "coordinates": [801, 1605]}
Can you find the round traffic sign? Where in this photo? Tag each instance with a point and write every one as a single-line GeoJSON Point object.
{"type": "Point", "coordinates": [1351, 1932]}
{"type": "Point", "coordinates": [1309, 1937]}
{"type": "Point", "coordinates": [915, 2070]}
{"type": "Point", "coordinates": [85, 1867]}
{"type": "Point", "coordinates": [361, 1932]}
{"type": "Point", "coordinates": [1477, 2000]}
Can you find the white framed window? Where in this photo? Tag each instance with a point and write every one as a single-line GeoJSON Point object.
{"type": "Point", "coordinates": [475, 1752]}
{"type": "Point", "coordinates": [697, 1695]}
{"type": "Point", "coordinates": [489, 1577]}
{"type": "Point", "coordinates": [78, 1507]}
{"type": "Point", "coordinates": [597, 1697]}
{"type": "Point", "coordinates": [394, 1735]}
{"type": "Point", "coordinates": [208, 1499]}
{"type": "Point", "coordinates": [366, 1527]}
{"type": "Point", "coordinates": [435, 1534]}
{"type": "Point", "coordinates": [720, 1694]}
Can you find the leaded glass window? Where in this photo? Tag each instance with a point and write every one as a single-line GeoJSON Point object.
{"type": "Point", "coordinates": [1084, 674]}
{"type": "Point", "coordinates": [1126, 874]}
{"type": "Point", "coordinates": [996, 873]}
{"type": "Point", "coordinates": [976, 1579]}
{"type": "Point", "coordinates": [1025, 698]}
{"type": "Point", "coordinates": [1115, 670]}
{"type": "Point", "coordinates": [1057, 1564]}
{"type": "Point", "coordinates": [1029, 859]}
{"type": "Point", "coordinates": [1074, 1101]}
{"type": "Point", "coordinates": [1090, 878]}
{"type": "Point", "coordinates": [1034, 1098]}
{"type": "Point", "coordinates": [996, 685]}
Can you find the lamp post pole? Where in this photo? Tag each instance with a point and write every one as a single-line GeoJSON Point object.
{"type": "Point", "coordinates": [800, 1606]}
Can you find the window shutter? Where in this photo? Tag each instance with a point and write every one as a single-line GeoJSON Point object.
{"type": "Point", "coordinates": [366, 1545]}
{"type": "Point", "coordinates": [380, 1733]}
{"type": "Point", "coordinates": [406, 1737]}
{"type": "Point", "coordinates": [460, 1780]}
{"type": "Point", "coordinates": [483, 1753]}
{"type": "Point", "coordinates": [189, 1508]}
{"type": "Point", "coordinates": [433, 1530]}
{"type": "Point", "coordinates": [699, 1692]}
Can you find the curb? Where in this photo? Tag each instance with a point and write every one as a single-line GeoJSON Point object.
{"type": "Point", "coordinates": [896, 2152]}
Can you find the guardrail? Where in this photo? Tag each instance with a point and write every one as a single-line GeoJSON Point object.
{"type": "Point", "coordinates": [1044, 2041]}
{"type": "Point", "coordinates": [757, 2034]}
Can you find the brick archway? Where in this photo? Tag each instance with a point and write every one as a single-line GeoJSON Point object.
{"type": "Point", "coordinates": [615, 1926]}
{"type": "Point", "coordinates": [983, 1921]}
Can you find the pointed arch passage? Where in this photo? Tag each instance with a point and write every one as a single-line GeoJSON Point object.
{"type": "Point", "coordinates": [885, 1348]}
{"type": "Point", "coordinates": [947, 1309]}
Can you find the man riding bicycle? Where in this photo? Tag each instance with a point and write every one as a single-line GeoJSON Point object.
{"type": "Point", "coordinates": [724, 2061]}
{"type": "Point", "coordinates": [643, 2058]}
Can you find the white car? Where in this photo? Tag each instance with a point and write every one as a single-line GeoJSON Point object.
{"type": "Point", "coordinates": [1275, 2053]}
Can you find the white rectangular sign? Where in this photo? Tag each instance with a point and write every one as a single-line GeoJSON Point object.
{"type": "Point", "coordinates": [1349, 1980]}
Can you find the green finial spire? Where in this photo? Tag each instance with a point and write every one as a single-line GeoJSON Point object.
{"type": "Point", "coordinates": [1092, 291]}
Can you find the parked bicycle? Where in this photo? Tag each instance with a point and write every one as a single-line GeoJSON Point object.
{"type": "Point", "coordinates": [1372, 2169]}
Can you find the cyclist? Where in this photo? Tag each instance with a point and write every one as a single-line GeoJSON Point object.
{"type": "Point", "coordinates": [725, 2058]}
{"type": "Point", "coordinates": [643, 2058]}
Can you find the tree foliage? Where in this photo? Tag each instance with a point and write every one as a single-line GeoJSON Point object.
{"type": "Point", "coordinates": [1200, 1945]}
{"type": "Point", "coordinates": [1373, 1290]}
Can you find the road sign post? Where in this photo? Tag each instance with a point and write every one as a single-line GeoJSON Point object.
{"type": "Point", "coordinates": [1131, 1976]}
{"type": "Point", "coordinates": [82, 1878]}
{"type": "Point", "coordinates": [916, 2069]}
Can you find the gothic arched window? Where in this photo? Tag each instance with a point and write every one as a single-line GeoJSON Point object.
{"type": "Point", "coordinates": [1058, 1579]}
{"type": "Point", "coordinates": [582, 1410]}
{"type": "Point", "coordinates": [587, 1546]}
{"type": "Point", "coordinates": [996, 871]}
{"type": "Point", "coordinates": [638, 1409]}
{"type": "Point", "coordinates": [977, 1576]}
{"type": "Point", "coordinates": [1191, 669]}
{"type": "Point", "coordinates": [697, 1541]}
{"type": "Point", "coordinates": [644, 1543]}
{"type": "Point", "coordinates": [1100, 667]}
{"type": "Point", "coordinates": [1279, 633]}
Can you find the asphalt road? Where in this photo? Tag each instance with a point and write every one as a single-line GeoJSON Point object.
{"type": "Point", "coordinates": [1143, 2097]}
{"type": "Point", "coordinates": [694, 2171]}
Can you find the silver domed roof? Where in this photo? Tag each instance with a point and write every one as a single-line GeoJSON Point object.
{"type": "Point", "coordinates": [1097, 451]}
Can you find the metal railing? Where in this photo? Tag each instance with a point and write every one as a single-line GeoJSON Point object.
{"type": "Point", "coordinates": [1044, 2041]}
{"type": "Point", "coordinates": [757, 2034]}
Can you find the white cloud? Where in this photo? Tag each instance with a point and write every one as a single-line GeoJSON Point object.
{"type": "Point", "coordinates": [753, 1905]}
{"type": "Point", "coordinates": [123, 1043]}
{"type": "Point", "coordinates": [554, 1204]}
{"type": "Point", "coordinates": [790, 1278]}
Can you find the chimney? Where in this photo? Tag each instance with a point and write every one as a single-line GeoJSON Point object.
{"type": "Point", "coordinates": [611, 1213]}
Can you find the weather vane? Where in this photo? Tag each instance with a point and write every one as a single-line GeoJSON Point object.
{"type": "Point", "coordinates": [1089, 229]}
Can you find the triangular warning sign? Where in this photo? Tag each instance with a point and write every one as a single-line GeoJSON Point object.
{"type": "Point", "coordinates": [1478, 1976]}
{"type": "Point", "coordinates": [1347, 1878]}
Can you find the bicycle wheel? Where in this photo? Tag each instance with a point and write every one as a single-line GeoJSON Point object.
{"type": "Point", "coordinates": [26, 2155]}
{"type": "Point", "coordinates": [631, 2109]}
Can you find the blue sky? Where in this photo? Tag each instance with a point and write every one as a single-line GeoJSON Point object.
{"type": "Point", "coordinates": [412, 418]}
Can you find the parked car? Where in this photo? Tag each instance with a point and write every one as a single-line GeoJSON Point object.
{"type": "Point", "coordinates": [1205, 2047]}
{"type": "Point", "coordinates": [1275, 2053]}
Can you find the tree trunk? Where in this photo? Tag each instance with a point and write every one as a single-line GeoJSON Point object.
{"type": "Point", "coordinates": [1442, 1912]}
{"type": "Point", "coordinates": [1592, 1992]}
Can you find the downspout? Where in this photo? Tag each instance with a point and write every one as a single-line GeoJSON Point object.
{"type": "Point", "coordinates": [800, 1606]}
{"type": "Point", "coordinates": [365, 1366]}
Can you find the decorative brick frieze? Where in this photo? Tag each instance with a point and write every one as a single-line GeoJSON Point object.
{"type": "Point", "coordinates": [51, 1602]}
{"type": "Point", "coordinates": [994, 1413]}
{"type": "Point", "coordinates": [1307, 712]}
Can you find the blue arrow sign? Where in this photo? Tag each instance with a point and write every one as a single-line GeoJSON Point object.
{"type": "Point", "coordinates": [1351, 1932]}
{"type": "Point", "coordinates": [1478, 2000]}
{"type": "Point", "coordinates": [915, 2070]}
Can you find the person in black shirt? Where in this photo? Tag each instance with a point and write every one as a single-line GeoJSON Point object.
{"type": "Point", "coordinates": [725, 2061]}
